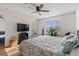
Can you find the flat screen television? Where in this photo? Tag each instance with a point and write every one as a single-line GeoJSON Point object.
{"type": "Point", "coordinates": [22, 27]}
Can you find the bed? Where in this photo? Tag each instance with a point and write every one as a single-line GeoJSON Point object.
{"type": "Point", "coordinates": [42, 46]}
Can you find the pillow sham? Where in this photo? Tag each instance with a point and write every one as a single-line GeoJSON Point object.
{"type": "Point", "coordinates": [66, 38]}
{"type": "Point", "coordinates": [70, 36]}
{"type": "Point", "coordinates": [69, 45]}
{"type": "Point", "coordinates": [77, 40]}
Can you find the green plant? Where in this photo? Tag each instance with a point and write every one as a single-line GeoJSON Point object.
{"type": "Point", "coordinates": [53, 32]}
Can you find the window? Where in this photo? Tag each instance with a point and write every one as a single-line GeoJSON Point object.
{"type": "Point", "coordinates": [51, 23]}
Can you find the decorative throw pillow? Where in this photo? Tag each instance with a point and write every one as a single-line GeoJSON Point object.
{"type": "Point", "coordinates": [66, 38]}
{"type": "Point", "coordinates": [68, 47]}
{"type": "Point", "coordinates": [63, 41]}
{"type": "Point", "coordinates": [77, 40]}
{"type": "Point", "coordinates": [70, 36]}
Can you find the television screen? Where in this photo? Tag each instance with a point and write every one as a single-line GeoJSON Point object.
{"type": "Point", "coordinates": [22, 27]}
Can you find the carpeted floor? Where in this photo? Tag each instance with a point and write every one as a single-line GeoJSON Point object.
{"type": "Point", "coordinates": [11, 51]}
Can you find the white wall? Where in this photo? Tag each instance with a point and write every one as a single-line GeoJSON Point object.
{"type": "Point", "coordinates": [77, 19]}
{"type": "Point", "coordinates": [67, 23]}
{"type": "Point", "coordinates": [2, 22]}
{"type": "Point", "coordinates": [2, 25]}
{"type": "Point", "coordinates": [11, 19]}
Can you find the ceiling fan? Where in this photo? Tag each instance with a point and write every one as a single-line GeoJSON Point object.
{"type": "Point", "coordinates": [38, 9]}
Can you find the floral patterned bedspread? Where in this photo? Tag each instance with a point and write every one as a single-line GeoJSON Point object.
{"type": "Point", "coordinates": [41, 46]}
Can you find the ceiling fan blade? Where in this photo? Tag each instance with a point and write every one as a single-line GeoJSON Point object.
{"type": "Point", "coordinates": [44, 10]}
{"type": "Point", "coordinates": [41, 6]}
{"type": "Point", "coordinates": [34, 12]}
{"type": "Point", "coordinates": [33, 5]}
{"type": "Point", "coordinates": [31, 8]}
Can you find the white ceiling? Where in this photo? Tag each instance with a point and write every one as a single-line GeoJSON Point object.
{"type": "Point", "coordinates": [54, 8]}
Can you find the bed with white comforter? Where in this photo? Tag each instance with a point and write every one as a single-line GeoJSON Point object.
{"type": "Point", "coordinates": [42, 46]}
{"type": "Point", "coordinates": [46, 46]}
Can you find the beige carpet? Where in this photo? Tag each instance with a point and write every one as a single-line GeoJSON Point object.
{"type": "Point", "coordinates": [11, 51]}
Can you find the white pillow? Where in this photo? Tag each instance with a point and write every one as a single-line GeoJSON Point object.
{"type": "Point", "coordinates": [69, 36]}
{"type": "Point", "coordinates": [64, 40]}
